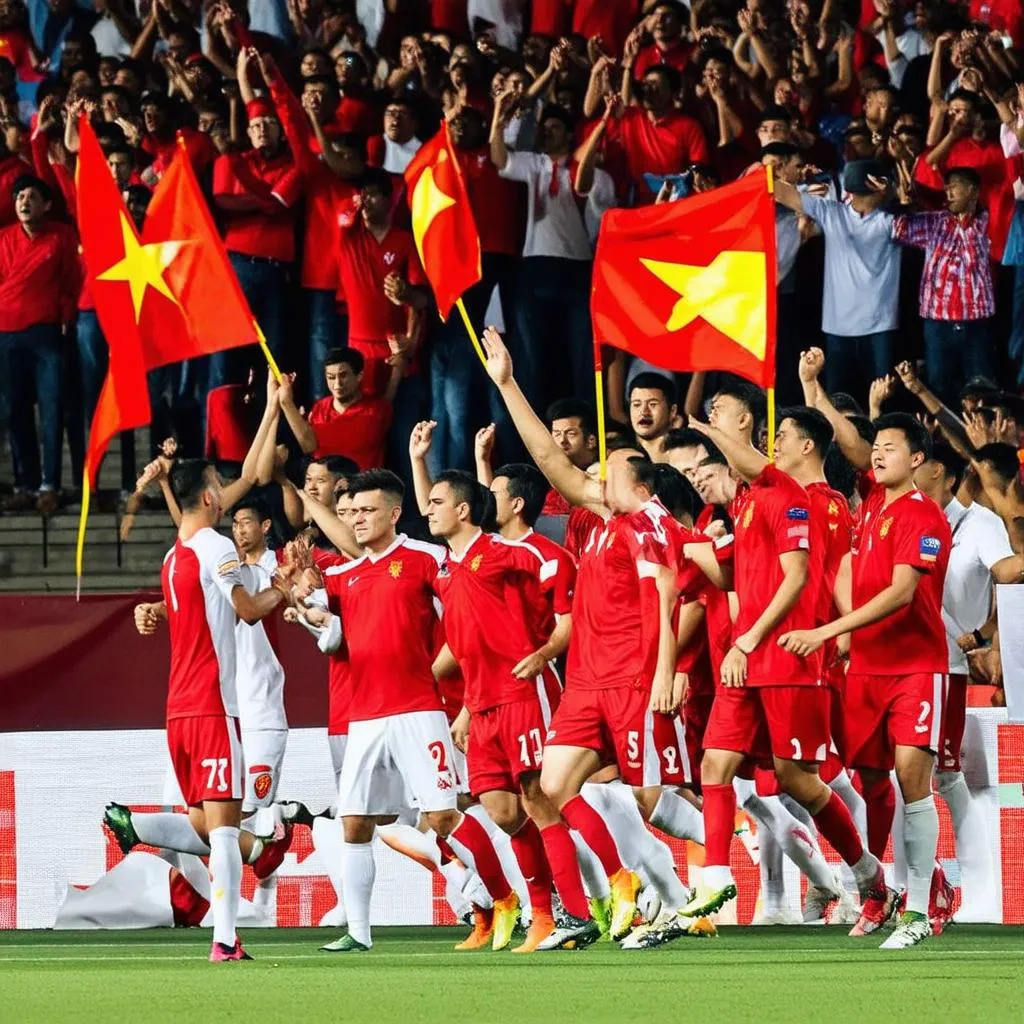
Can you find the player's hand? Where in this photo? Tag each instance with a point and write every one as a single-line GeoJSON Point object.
{"type": "Point", "coordinates": [499, 362]}
{"type": "Point", "coordinates": [734, 668]}
{"type": "Point", "coordinates": [661, 694]}
{"type": "Point", "coordinates": [291, 616]}
{"type": "Point", "coordinates": [460, 730]}
{"type": "Point", "coordinates": [967, 643]}
{"type": "Point", "coordinates": [801, 642]}
{"type": "Point", "coordinates": [483, 443]}
{"type": "Point", "coordinates": [680, 684]}
{"type": "Point", "coordinates": [286, 389]}
{"type": "Point", "coordinates": [530, 667]}
{"type": "Point", "coordinates": [842, 649]}
{"type": "Point", "coordinates": [145, 619]}
{"type": "Point", "coordinates": [396, 289]}
{"type": "Point", "coordinates": [908, 375]}
{"type": "Point", "coordinates": [812, 362]}
{"type": "Point", "coordinates": [420, 439]}
{"type": "Point", "coordinates": [319, 617]}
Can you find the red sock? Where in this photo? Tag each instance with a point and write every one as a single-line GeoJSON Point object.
{"type": "Point", "coordinates": [836, 824]}
{"type": "Point", "coordinates": [447, 853]}
{"type": "Point", "coordinates": [719, 823]}
{"type": "Point", "coordinates": [480, 854]}
{"type": "Point", "coordinates": [582, 817]}
{"type": "Point", "coordinates": [528, 847]}
{"type": "Point", "coordinates": [565, 869]}
{"type": "Point", "coordinates": [880, 798]}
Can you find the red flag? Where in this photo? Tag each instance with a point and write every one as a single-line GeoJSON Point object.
{"type": "Point", "coordinates": [690, 285]}
{"type": "Point", "coordinates": [442, 221]}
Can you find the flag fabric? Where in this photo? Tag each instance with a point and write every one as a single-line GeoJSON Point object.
{"type": "Point", "coordinates": [442, 221]}
{"type": "Point", "coordinates": [691, 285]}
{"type": "Point", "coordinates": [102, 224]}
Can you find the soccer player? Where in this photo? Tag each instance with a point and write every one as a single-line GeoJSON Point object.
{"type": "Point", "coordinates": [896, 684]}
{"type": "Point", "coordinates": [771, 707]}
{"type": "Point", "coordinates": [205, 593]}
{"type": "Point", "coordinates": [398, 739]}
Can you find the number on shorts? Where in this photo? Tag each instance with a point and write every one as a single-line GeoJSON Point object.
{"type": "Point", "coordinates": [440, 756]}
{"type": "Point", "coordinates": [633, 746]}
{"type": "Point", "coordinates": [217, 767]}
{"type": "Point", "coordinates": [922, 718]}
{"type": "Point", "coordinates": [798, 750]}
{"type": "Point", "coordinates": [527, 740]}
{"type": "Point", "coordinates": [671, 761]}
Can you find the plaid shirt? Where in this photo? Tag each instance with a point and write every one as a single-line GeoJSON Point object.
{"type": "Point", "coordinates": [957, 279]}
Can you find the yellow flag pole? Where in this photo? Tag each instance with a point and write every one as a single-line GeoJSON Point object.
{"type": "Point", "coordinates": [80, 548]}
{"type": "Point", "coordinates": [271, 361]}
{"type": "Point", "coordinates": [771, 425]}
{"type": "Point", "coordinates": [471, 332]}
{"type": "Point", "coordinates": [602, 447]}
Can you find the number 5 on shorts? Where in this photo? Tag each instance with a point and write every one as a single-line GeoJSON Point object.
{"type": "Point", "coordinates": [217, 767]}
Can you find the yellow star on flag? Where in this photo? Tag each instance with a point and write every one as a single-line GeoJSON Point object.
{"type": "Point", "coordinates": [427, 202]}
{"type": "Point", "coordinates": [142, 266]}
{"type": "Point", "coordinates": [729, 294]}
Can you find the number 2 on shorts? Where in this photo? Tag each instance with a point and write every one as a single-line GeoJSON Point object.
{"type": "Point", "coordinates": [439, 755]}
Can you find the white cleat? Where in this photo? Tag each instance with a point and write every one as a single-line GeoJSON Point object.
{"type": "Point", "coordinates": [846, 910]}
{"type": "Point", "coordinates": [908, 933]}
{"type": "Point", "coordinates": [781, 917]}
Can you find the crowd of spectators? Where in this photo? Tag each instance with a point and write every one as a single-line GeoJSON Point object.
{"type": "Point", "coordinates": [894, 131]}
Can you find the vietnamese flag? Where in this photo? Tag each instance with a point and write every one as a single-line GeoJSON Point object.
{"type": "Point", "coordinates": [690, 285]}
{"type": "Point", "coordinates": [442, 221]}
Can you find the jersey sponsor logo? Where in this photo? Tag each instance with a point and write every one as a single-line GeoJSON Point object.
{"type": "Point", "coordinates": [929, 549]}
{"type": "Point", "coordinates": [885, 527]}
{"type": "Point", "coordinates": [261, 784]}
{"type": "Point", "coordinates": [395, 569]}
{"type": "Point", "coordinates": [796, 512]}
{"type": "Point", "coordinates": [475, 562]}
{"type": "Point", "coordinates": [353, 580]}
{"type": "Point", "coordinates": [444, 782]}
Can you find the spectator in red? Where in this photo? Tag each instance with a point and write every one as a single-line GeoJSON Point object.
{"type": "Point", "coordinates": [346, 421]}
{"type": "Point", "coordinates": [162, 122]}
{"type": "Point", "coordinates": [12, 167]}
{"type": "Point", "coordinates": [660, 39]}
{"type": "Point", "coordinates": [357, 111]}
{"type": "Point", "coordinates": [256, 193]}
{"type": "Point", "coordinates": [40, 279]}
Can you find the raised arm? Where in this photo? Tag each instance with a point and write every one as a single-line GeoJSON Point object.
{"type": "Point", "coordinates": [300, 426]}
{"type": "Point", "coordinates": [744, 459]}
{"type": "Point", "coordinates": [483, 446]}
{"type": "Point", "coordinates": [851, 444]}
{"type": "Point", "coordinates": [419, 446]}
{"type": "Point", "coordinates": [255, 457]}
{"type": "Point", "coordinates": [588, 155]}
{"type": "Point", "coordinates": [950, 424]}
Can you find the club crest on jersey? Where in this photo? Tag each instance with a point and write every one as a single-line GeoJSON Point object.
{"type": "Point", "coordinates": [748, 515]}
{"type": "Point", "coordinates": [833, 508]}
{"type": "Point", "coordinates": [474, 564]}
{"type": "Point", "coordinates": [261, 785]}
{"type": "Point", "coordinates": [883, 530]}
{"type": "Point", "coordinates": [395, 568]}
{"type": "Point", "coordinates": [929, 548]}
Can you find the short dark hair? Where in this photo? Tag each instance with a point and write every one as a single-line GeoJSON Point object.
{"type": "Point", "coordinates": [617, 429]}
{"type": "Point", "coordinates": [467, 490]}
{"type": "Point", "coordinates": [751, 396]}
{"type": "Point", "coordinates": [918, 438]}
{"type": "Point", "coordinates": [840, 473]}
{"type": "Point", "coordinates": [672, 78]}
{"type": "Point", "coordinates": [1002, 458]}
{"type": "Point", "coordinates": [320, 80]}
{"type": "Point", "coordinates": [573, 409]}
{"type": "Point", "coordinates": [785, 150]}
{"type": "Point", "coordinates": [846, 403]}
{"type": "Point", "coordinates": [775, 113]}
{"type": "Point", "coordinates": [351, 357]}
{"type": "Point", "coordinates": [26, 181]}
{"type": "Point", "coordinates": [654, 382]}
{"type": "Point", "coordinates": [528, 483]}
{"type": "Point", "coordinates": [378, 480]}
{"type": "Point", "coordinates": [686, 437]}
{"type": "Point", "coordinates": [625, 441]}
{"type": "Point", "coordinates": [674, 491]}
{"type": "Point", "coordinates": [865, 427]}
{"type": "Point", "coordinates": [968, 96]}
{"type": "Point", "coordinates": [189, 478]}
{"type": "Point", "coordinates": [350, 140]}
{"type": "Point", "coordinates": [951, 460]}
{"type": "Point", "coordinates": [968, 175]}
{"type": "Point", "coordinates": [812, 425]}
{"type": "Point", "coordinates": [559, 114]}
{"type": "Point", "coordinates": [377, 178]}
{"type": "Point", "coordinates": [253, 505]}
{"type": "Point", "coordinates": [338, 466]}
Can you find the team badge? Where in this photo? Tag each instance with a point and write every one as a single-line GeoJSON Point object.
{"type": "Point", "coordinates": [395, 569]}
{"type": "Point", "coordinates": [833, 508]}
{"type": "Point", "coordinates": [748, 515]}
{"type": "Point", "coordinates": [474, 565]}
{"type": "Point", "coordinates": [883, 530]}
{"type": "Point", "coordinates": [261, 785]}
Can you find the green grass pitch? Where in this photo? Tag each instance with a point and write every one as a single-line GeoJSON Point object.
{"type": "Point", "coordinates": [799, 975]}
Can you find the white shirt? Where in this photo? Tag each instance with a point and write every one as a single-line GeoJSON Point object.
{"type": "Point", "coordinates": [259, 679]}
{"type": "Point", "coordinates": [398, 155]}
{"type": "Point", "coordinates": [560, 231]}
{"type": "Point", "coordinates": [979, 541]}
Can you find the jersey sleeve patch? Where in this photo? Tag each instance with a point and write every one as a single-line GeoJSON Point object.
{"type": "Point", "coordinates": [929, 548]}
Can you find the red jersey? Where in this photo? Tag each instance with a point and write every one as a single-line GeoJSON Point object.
{"type": "Point", "coordinates": [359, 431]}
{"type": "Point", "coordinates": [717, 617]}
{"type": "Point", "coordinates": [494, 610]}
{"type": "Point", "coordinates": [609, 19]}
{"type": "Point", "coordinates": [386, 605]}
{"type": "Point", "coordinates": [563, 583]}
{"type": "Point", "coordinates": [40, 276]}
{"type": "Point", "coordinates": [615, 610]}
{"type": "Point", "coordinates": [912, 530]}
{"type": "Point", "coordinates": [775, 518]}
{"type": "Point", "coordinates": [832, 529]}
{"type": "Point", "coordinates": [199, 146]}
{"type": "Point", "coordinates": [498, 204]}
{"type": "Point", "coordinates": [578, 528]}
{"type": "Point", "coordinates": [197, 579]}
{"type": "Point", "coordinates": [652, 56]}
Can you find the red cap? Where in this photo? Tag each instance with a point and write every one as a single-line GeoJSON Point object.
{"type": "Point", "coordinates": [259, 108]}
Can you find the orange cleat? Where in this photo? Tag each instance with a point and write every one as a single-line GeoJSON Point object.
{"type": "Point", "coordinates": [541, 927]}
{"type": "Point", "coordinates": [483, 929]}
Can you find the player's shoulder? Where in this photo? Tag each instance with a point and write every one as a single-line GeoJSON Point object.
{"type": "Point", "coordinates": [211, 546]}
{"type": "Point", "coordinates": [340, 568]}
{"type": "Point", "coordinates": [424, 550]}
{"type": "Point", "coordinates": [924, 510]}
{"type": "Point", "coordinates": [652, 516]}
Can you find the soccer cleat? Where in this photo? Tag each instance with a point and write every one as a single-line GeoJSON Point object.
{"type": "Point", "coordinates": [912, 929]}
{"type": "Point", "coordinates": [507, 913]}
{"type": "Point", "coordinates": [483, 929]}
{"type": "Point", "coordinates": [781, 917]}
{"type": "Point", "coordinates": [293, 812]}
{"type": "Point", "coordinates": [846, 910]}
{"type": "Point", "coordinates": [221, 952]}
{"type": "Point", "coordinates": [571, 933]}
{"type": "Point", "coordinates": [625, 885]}
{"type": "Point", "coordinates": [943, 903]}
{"type": "Point", "coordinates": [601, 912]}
{"type": "Point", "coordinates": [708, 901]}
{"type": "Point", "coordinates": [669, 926]}
{"type": "Point", "coordinates": [273, 852]}
{"type": "Point", "coordinates": [818, 904]}
{"type": "Point", "coordinates": [879, 906]}
{"type": "Point", "coordinates": [541, 927]}
{"type": "Point", "coordinates": [119, 820]}
{"type": "Point", "coordinates": [346, 944]}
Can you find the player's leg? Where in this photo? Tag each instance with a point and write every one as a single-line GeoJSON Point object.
{"type": "Point", "coordinates": [664, 806]}
{"type": "Point", "coordinates": [222, 819]}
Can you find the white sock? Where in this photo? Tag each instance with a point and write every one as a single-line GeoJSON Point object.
{"type": "Point", "coordinates": [972, 841]}
{"type": "Point", "coordinates": [327, 841]}
{"type": "Point", "coordinates": [842, 786]}
{"type": "Point", "coordinates": [899, 850]}
{"type": "Point", "coordinates": [865, 871]}
{"type": "Point", "coordinates": [798, 843]}
{"type": "Point", "coordinates": [920, 841]}
{"type": "Point", "coordinates": [169, 832]}
{"type": "Point", "coordinates": [502, 843]}
{"type": "Point", "coordinates": [772, 868]}
{"type": "Point", "coordinates": [264, 897]}
{"type": "Point", "coordinates": [358, 871]}
{"type": "Point", "coordinates": [456, 877]}
{"type": "Point", "coordinates": [225, 882]}
{"type": "Point", "coordinates": [676, 816]}
{"type": "Point", "coordinates": [595, 881]}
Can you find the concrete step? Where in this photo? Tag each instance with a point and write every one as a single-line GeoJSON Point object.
{"type": "Point", "coordinates": [64, 583]}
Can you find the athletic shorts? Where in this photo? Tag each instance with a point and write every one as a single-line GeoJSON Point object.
{"type": "Point", "coordinates": [336, 744]}
{"type": "Point", "coordinates": [649, 748]}
{"type": "Point", "coordinates": [507, 742]}
{"type": "Point", "coordinates": [396, 762]}
{"type": "Point", "coordinates": [696, 713]}
{"type": "Point", "coordinates": [789, 722]}
{"type": "Point", "coordinates": [954, 721]}
{"type": "Point", "coordinates": [206, 752]}
{"type": "Point", "coordinates": [885, 712]}
{"type": "Point", "coordinates": [263, 752]}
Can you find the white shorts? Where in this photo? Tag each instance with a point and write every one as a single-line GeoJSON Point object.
{"type": "Point", "coordinates": [395, 762]}
{"type": "Point", "coordinates": [461, 771]}
{"type": "Point", "coordinates": [263, 750]}
{"type": "Point", "coordinates": [337, 746]}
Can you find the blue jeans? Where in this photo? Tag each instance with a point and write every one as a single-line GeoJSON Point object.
{"type": "Point", "coordinates": [954, 352]}
{"type": "Point", "coordinates": [852, 363]}
{"type": "Point", "coordinates": [327, 329]}
{"type": "Point", "coordinates": [30, 368]}
{"type": "Point", "coordinates": [555, 353]}
{"type": "Point", "coordinates": [1016, 342]}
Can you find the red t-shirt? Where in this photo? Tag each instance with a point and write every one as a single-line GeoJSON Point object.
{"type": "Point", "coordinates": [675, 56]}
{"type": "Point", "coordinates": [717, 617]}
{"type": "Point", "coordinates": [269, 231]}
{"type": "Point", "coordinates": [386, 606]}
{"type": "Point", "coordinates": [359, 431]}
{"type": "Point", "coordinates": [562, 583]}
{"type": "Point", "coordinates": [498, 205]}
{"type": "Point", "coordinates": [776, 519]}
{"type": "Point", "coordinates": [229, 423]}
{"type": "Point", "coordinates": [832, 528]}
{"type": "Point", "coordinates": [355, 114]}
{"type": "Point", "coordinates": [578, 528]}
{"type": "Point", "coordinates": [40, 277]}
{"type": "Point", "coordinates": [615, 610]}
{"type": "Point", "coordinates": [612, 20]}
{"type": "Point", "coordinates": [495, 606]}
{"type": "Point", "coordinates": [912, 530]}
{"type": "Point", "coordinates": [555, 504]}
{"type": "Point", "coordinates": [1004, 16]}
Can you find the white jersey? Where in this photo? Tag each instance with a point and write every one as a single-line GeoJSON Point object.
{"type": "Point", "coordinates": [260, 677]}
